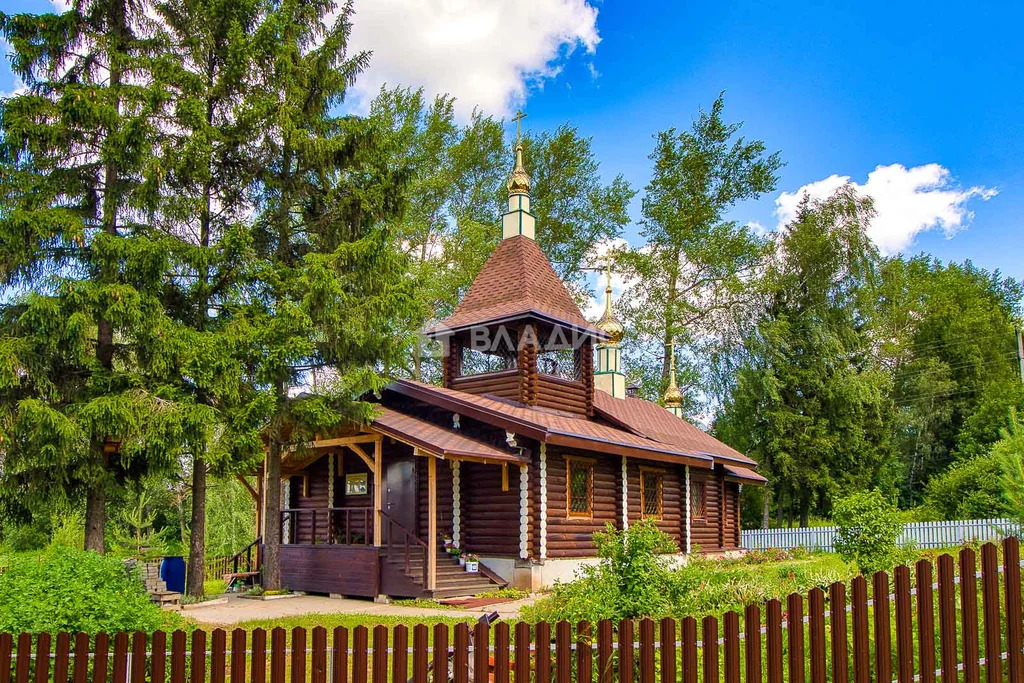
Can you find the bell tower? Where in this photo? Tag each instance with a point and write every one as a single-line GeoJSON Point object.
{"type": "Point", "coordinates": [517, 334]}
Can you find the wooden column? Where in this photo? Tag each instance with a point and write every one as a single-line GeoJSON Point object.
{"type": "Point", "coordinates": [432, 522]}
{"type": "Point", "coordinates": [378, 489]}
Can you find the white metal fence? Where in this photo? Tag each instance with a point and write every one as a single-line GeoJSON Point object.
{"type": "Point", "coordinates": [921, 534]}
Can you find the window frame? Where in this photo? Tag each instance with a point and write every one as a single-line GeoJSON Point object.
{"type": "Point", "coordinates": [660, 474]}
{"type": "Point", "coordinates": [698, 491]}
{"type": "Point", "coordinates": [571, 463]}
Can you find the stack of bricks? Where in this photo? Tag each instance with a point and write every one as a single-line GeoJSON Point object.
{"type": "Point", "coordinates": [156, 587]}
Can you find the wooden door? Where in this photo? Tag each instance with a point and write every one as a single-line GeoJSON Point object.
{"type": "Point", "coordinates": [399, 500]}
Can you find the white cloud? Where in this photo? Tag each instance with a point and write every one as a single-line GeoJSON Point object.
{"type": "Point", "coordinates": [483, 52]}
{"type": "Point", "coordinates": [907, 202]}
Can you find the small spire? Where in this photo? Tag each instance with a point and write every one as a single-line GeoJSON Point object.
{"type": "Point", "coordinates": [673, 397]}
{"type": "Point", "coordinates": [519, 181]}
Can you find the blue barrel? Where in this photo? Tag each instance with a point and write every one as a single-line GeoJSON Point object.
{"type": "Point", "coordinates": [172, 572]}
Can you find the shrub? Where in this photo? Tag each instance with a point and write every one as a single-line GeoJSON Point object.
{"type": "Point", "coordinates": [867, 529]}
{"type": "Point", "coordinates": [631, 579]}
{"type": "Point", "coordinates": [73, 590]}
{"type": "Point", "coordinates": [972, 489]}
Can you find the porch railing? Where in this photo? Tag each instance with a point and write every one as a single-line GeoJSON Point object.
{"type": "Point", "coordinates": [343, 525]}
{"type": "Point", "coordinates": [400, 543]}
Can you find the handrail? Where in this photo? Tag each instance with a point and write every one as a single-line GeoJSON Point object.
{"type": "Point", "coordinates": [247, 551]}
{"type": "Point", "coordinates": [335, 535]}
{"type": "Point", "coordinates": [408, 539]}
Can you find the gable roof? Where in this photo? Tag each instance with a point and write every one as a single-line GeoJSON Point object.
{"type": "Point", "coordinates": [654, 422]}
{"type": "Point", "coordinates": [516, 280]}
{"type": "Point", "coordinates": [561, 429]}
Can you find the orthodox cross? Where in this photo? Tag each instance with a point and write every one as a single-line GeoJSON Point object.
{"type": "Point", "coordinates": [518, 118]}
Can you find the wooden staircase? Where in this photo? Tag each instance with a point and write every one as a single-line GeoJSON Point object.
{"type": "Point", "coordinates": [452, 579]}
{"type": "Point", "coordinates": [404, 564]}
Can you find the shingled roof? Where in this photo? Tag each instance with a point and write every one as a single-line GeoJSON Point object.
{"type": "Point", "coordinates": [550, 426]}
{"type": "Point", "coordinates": [516, 280]}
{"type": "Point", "coordinates": [654, 422]}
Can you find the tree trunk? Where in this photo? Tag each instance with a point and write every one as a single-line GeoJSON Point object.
{"type": "Point", "coordinates": [805, 514]}
{"type": "Point", "coordinates": [766, 509]}
{"type": "Point", "coordinates": [196, 573]}
{"type": "Point", "coordinates": [96, 516]}
{"type": "Point", "coordinates": [272, 517]}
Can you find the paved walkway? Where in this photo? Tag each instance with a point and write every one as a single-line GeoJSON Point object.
{"type": "Point", "coordinates": [238, 609]}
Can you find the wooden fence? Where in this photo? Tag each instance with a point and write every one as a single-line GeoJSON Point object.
{"type": "Point", "coordinates": [928, 624]}
{"type": "Point", "coordinates": [920, 534]}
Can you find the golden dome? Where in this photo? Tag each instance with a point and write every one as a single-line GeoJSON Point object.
{"type": "Point", "coordinates": [673, 396]}
{"type": "Point", "coordinates": [608, 323]}
{"type": "Point", "coordinates": [519, 181]}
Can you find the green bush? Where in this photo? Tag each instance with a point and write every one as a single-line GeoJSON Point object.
{"type": "Point", "coordinates": [72, 590]}
{"type": "Point", "coordinates": [972, 489]}
{"type": "Point", "coordinates": [631, 579]}
{"type": "Point", "coordinates": [867, 530]}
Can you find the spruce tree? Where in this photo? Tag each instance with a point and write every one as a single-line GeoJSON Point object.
{"type": "Point", "coordinates": [85, 338]}
{"type": "Point", "coordinates": [208, 166]}
{"type": "Point", "coordinates": [330, 302]}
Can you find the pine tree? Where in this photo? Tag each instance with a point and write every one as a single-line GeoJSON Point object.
{"type": "Point", "coordinates": [85, 339]}
{"type": "Point", "coordinates": [330, 300]}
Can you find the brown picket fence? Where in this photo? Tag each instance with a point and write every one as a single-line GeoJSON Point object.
{"type": "Point", "coordinates": [928, 625]}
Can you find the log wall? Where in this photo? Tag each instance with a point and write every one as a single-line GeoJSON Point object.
{"type": "Point", "coordinates": [673, 517]}
{"type": "Point", "coordinates": [704, 533]}
{"type": "Point", "coordinates": [490, 516]}
{"type": "Point", "coordinates": [571, 536]}
{"type": "Point", "coordinates": [502, 384]}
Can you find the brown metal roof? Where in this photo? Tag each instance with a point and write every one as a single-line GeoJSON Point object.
{"type": "Point", "coordinates": [654, 422]}
{"type": "Point", "coordinates": [744, 474]}
{"type": "Point", "coordinates": [549, 426]}
{"type": "Point", "coordinates": [516, 280]}
{"type": "Point", "coordinates": [437, 440]}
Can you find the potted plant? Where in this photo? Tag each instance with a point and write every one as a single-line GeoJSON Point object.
{"type": "Point", "coordinates": [461, 557]}
{"type": "Point", "coordinates": [472, 564]}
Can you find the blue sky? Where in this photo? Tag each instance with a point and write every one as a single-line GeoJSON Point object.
{"type": "Point", "coordinates": [839, 89]}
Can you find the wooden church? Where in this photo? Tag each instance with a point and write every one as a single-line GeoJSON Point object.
{"type": "Point", "coordinates": [530, 445]}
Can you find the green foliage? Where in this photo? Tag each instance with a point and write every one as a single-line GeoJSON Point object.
{"type": "Point", "coordinates": [810, 401]}
{"type": "Point", "coordinates": [700, 587]}
{"type": "Point", "coordinates": [631, 580]}
{"type": "Point", "coordinates": [74, 591]}
{"type": "Point", "coordinates": [1009, 450]}
{"type": "Point", "coordinates": [693, 271]}
{"type": "Point", "coordinates": [972, 489]}
{"type": "Point", "coordinates": [867, 529]}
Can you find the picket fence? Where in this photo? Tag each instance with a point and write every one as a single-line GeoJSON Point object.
{"type": "Point", "coordinates": [917, 628]}
{"type": "Point", "coordinates": [920, 534]}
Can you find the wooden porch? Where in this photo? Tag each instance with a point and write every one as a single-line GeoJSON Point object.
{"type": "Point", "coordinates": [361, 518]}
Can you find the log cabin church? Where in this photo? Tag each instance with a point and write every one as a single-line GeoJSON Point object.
{"type": "Point", "coordinates": [531, 443]}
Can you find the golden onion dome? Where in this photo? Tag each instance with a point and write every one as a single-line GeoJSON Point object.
{"type": "Point", "coordinates": [673, 396]}
{"type": "Point", "coordinates": [608, 323]}
{"type": "Point", "coordinates": [519, 181]}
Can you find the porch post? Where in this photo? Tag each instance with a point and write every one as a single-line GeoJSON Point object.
{"type": "Point", "coordinates": [687, 494]}
{"type": "Point", "coordinates": [432, 522]}
{"type": "Point", "coordinates": [378, 489]}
